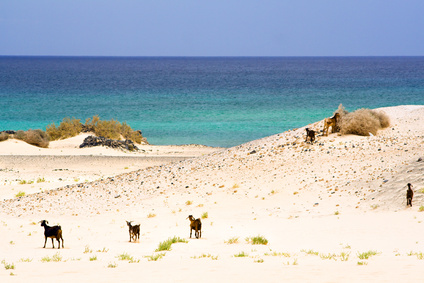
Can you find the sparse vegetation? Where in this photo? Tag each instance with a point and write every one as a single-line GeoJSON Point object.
{"type": "Point", "coordinates": [93, 258]}
{"type": "Point", "coordinates": [362, 263]}
{"type": "Point", "coordinates": [8, 266]}
{"type": "Point", "coordinates": [55, 258]}
{"type": "Point", "coordinates": [87, 250]}
{"type": "Point", "coordinates": [166, 245]}
{"type": "Point", "coordinates": [41, 180]}
{"type": "Point", "coordinates": [26, 259]}
{"type": "Point", "coordinates": [189, 202]}
{"type": "Point", "coordinates": [205, 215]}
{"type": "Point", "coordinates": [309, 252]}
{"type": "Point", "coordinates": [421, 209]}
{"type": "Point", "coordinates": [155, 257]}
{"type": "Point", "coordinates": [20, 194]}
{"type": "Point", "coordinates": [278, 254]}
{"type": "Point", "coordinates": [233, 240]}
{"type": "Point", "coordinates": [241, 254]}
{"type": "Point", "coordinates": [366, 255]}
{"type": "Point", "coordinates": [257, 240]}
{"type": "Point", "coordinates": [112, 265]}
{"type": "Point", "coordinates": [151, 215]}
{"type": "Point", "coordinates": [125, 256]}
{"type": "Point", "coordinates": [34, 137]}
{"type": "Point", "coordinates": [206, 256]}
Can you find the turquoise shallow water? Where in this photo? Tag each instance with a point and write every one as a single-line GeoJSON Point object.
{"type": "Point", "coordinates": [211, 101]}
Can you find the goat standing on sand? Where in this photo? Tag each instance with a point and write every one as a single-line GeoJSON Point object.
{"type": "Point", "coordinates": [310, 134]}
{"type": "Point", "coordinates": [54, 232]}
{"type": "Point", "coordinates": [134, 231]}
{"type": "Point", "coordinates": [196, 225]}
{"type": "Point", "coordinates": [409, 195]}
{"type": "Point", "coordinates": [331, 122]}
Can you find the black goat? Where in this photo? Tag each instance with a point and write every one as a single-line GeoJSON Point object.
{"type": "Point", "coordinates": [196, 225]}
{"type": "Point", "coordinates": [409, 195]}
{"type": "Point", "coordinates": [54, 232]}
{"type": "Point", "coordinates": [134, 231]}
{"type": "Point", "coordinates": [310, 134]}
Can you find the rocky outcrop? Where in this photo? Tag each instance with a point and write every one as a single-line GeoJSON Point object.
{"type": "Point", "coordinates": [91, 141]}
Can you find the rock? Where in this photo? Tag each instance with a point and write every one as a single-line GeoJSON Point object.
{"type": "Point", "coordinates": [91, 141]}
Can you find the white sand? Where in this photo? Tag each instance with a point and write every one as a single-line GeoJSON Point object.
{"type": "Point", "coordinates": [343, 194]}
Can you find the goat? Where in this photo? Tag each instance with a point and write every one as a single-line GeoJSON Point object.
{"type": "Point", "coordinates": [310, 134]}
{"type": "Point", "coordinates": [134, 231]}
{"type": "Point", "coordinates": [196, 225]}
{"type": "Point", "coordinates": [331, 122]}
{"type": "Point", "coordinates": [54, 232]}
{"type": "Point", "coordinates": [409, 195]}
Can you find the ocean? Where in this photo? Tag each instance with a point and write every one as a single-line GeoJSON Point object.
{"type": "Point", "coordinates": [214, 101]}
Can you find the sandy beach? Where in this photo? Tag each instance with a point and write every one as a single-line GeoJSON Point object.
{"type": "Point", "coordinates": [331, 211]}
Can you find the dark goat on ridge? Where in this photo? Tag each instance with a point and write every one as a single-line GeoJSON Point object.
{"type": "Point", "coordinates": [310, 134]}
{"type": "Point", "coordinates": [134, 231]}
{"type": "Point", "coordinates": [196, 225]}
{"type": "Point", "coordinates": [409, 195]}
{"type": "Point", "coordinates": [54, 232]}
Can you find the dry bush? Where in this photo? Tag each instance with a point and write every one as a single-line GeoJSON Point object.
{"type": "Point", "coordinates": [108, 129]}
{"type": "Point", "coordinates": [68, 128]}
{"type": "Point", "coordinates": [363, 122]}
{"type": "Point", "coordinates": [20, 135]}
{"type": "Point", "coordinates": [37, 137]}
{"type": "Point", "coordinates": [3, 136]}
{"type": "Point", "coordinates": [112, 129]}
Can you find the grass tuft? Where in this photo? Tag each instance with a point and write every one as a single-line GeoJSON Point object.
{"type": "Point", "coordinates": [233, 240]}
{"type": "Point", "coordinates": [367, 255]}
{"type": "Point", "coordinates": [257, 240]}
{"type": "Point", "coordinates": [166, 245]}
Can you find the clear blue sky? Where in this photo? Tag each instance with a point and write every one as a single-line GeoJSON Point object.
{"type": "Point", "coordinates": [212, 28]}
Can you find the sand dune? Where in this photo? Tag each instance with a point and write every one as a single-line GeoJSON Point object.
{"type": "Point", "coordinates": [314, 203]}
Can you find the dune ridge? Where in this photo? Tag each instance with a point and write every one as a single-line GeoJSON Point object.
{"type": "Point", "coordinates": [340, 191]}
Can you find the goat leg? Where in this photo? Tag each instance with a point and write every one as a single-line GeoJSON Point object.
{"type": "Point", "coordinates": [52, 243]}
{"type": "Point", "coordinates": [45, 241]}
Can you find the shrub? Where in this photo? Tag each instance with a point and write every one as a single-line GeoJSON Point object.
{"type": "Point", "coordinates": [3, 136]}
{"type": "Point", "coordinates": [20, 135]}
{"type": "Point", "coordinates": [363, 122]}
{"type": "Point", "coordinates": [68, 128]}
{"type": "Point", "coordinates": [37, 137]}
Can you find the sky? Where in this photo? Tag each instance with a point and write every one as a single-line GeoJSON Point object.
{"type": "Point", "coordinates": [212, 28]}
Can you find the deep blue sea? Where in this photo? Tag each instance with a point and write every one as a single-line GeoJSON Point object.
{"type": "Point", "coordinates": [216, 101]}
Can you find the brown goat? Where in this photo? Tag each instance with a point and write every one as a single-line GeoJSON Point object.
{"type": "Point", "coordinates": [196, 225]}
{"type": "Point", "coordinates": [134, 231]}
{"type": "Point", "coordinates": [409, 195]}
{"type": "Point", "coordinates": [54, 232]}
{"type": "Point", "coordinates": [310, 134]}
{"type": "Point", "coordinates": [331, 122]}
